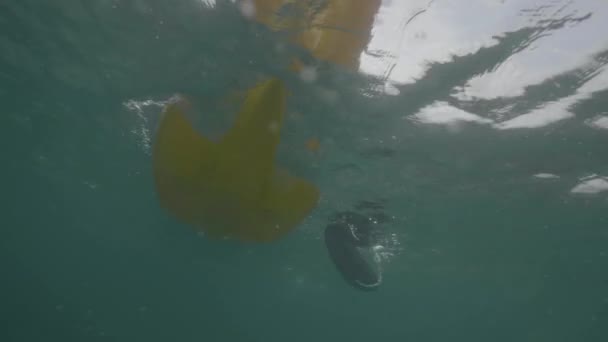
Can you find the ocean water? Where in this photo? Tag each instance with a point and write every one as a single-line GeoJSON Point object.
{"type": "Point", "coordinates": [479, 128]}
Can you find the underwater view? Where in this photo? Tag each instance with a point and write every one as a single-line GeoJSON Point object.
{"type": "Point", "coordinates": [304, 170]}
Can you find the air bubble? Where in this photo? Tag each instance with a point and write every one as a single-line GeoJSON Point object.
{"type": "Point", "coordinates": [248, 9]}
{"type": "Point", "coordinates": [308, 74]}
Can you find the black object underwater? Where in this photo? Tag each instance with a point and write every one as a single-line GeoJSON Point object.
{"type": "Point", "coordinates": [344, 238]}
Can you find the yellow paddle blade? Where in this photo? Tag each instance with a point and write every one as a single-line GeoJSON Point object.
{"type": "Point", "coordinates": [179, 149]}
{"type": "Point", "coordinates": [254, 138]}
{"type": "Point", "coordinates": [336, 31]}
{"type": "Point", "coordinates": [289, 201]}
{"type": "Point", "coordinates": [260, 119]}
{"type": "Point", "coordinates": [232, 188]}
{"type": "Point", "coordinates": [179, 155]}
{"type": "Point", "coordinates": [341, 31]}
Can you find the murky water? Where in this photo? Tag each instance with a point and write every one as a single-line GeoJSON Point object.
{"type": "Point", "coordinates": [479, 129]}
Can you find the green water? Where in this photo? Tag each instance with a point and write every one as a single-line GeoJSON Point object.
{"type": "Point", "coordinates": [486, 144]}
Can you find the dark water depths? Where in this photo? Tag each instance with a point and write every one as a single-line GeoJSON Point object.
{"type": "Point", "coordinates": [480, 126]}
